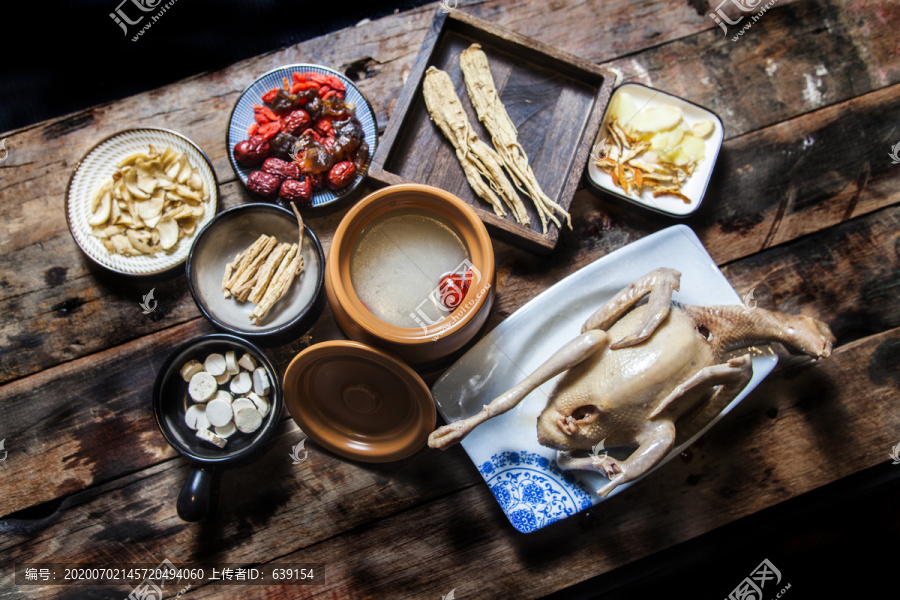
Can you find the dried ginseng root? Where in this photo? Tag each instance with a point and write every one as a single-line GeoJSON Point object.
{"type": "Point", "coordinates": [477, 159]}
{"type": "Point", "coordinates": [491, 112]}
{"type": "Point", "coordinates": [264, 272]}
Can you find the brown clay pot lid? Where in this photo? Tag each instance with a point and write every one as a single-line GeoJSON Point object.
{"type": "Point", "coordinates": [359, 402]}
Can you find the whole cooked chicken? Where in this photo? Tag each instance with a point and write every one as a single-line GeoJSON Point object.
{"type": "Point", "coordinates": [637, 370]}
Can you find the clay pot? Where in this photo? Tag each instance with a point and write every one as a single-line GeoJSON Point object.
{"type": "Point", "coordinates": [426, 340]}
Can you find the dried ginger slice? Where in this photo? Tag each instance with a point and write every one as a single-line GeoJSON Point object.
{"type": "Point", "coordinates": [483, 93]}
{"type": "Point", "coordinates": [476, 158]}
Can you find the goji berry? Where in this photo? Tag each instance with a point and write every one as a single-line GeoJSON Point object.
{"type": "Point", "coordinates": [261, 118]}
{"type": "Point", "coordinates": [468, 280]}
{"type": "Point", "coordinates": [450, 290]}
{"type": "Point", "coordinates": [312, 132]}
{"type": "Point", "coordinates": [269, 130]}
{"type": "Point", "coordinates": [336, 84]}
{"type": "Point", "coordinates": [270, 95]}
{"type": "Point", "coordinates": [254, 127]}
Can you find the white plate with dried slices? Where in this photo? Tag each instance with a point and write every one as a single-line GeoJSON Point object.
{"type": "Point", "coordinates": [646, 98]}
{"type": "Point", "coordinates": [98, 166]}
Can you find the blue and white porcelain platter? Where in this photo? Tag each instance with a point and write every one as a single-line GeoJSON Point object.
{"type": "Point", "coordinates": [522, 474]}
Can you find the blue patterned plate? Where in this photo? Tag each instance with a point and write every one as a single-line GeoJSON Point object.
{"type": "Point", "coordinates": [522, 474]}
{"type": "Point", "coordinates": [242, 117]}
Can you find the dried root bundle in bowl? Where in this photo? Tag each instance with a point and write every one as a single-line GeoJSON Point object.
{"type": "Point", "coordinates": [264, 272]}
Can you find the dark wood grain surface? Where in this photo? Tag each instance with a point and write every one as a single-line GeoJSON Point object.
{"type": "Point", "coordinates": [802, 209]}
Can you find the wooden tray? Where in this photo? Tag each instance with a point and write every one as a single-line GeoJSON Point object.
{"type": "Point", "coordinates": [555, 99]}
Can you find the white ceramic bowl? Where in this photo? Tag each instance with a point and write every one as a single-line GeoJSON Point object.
{"type": "Point", "coordinates": [695, 187]}
{"type": "Point", "coordinates": [98, 166]}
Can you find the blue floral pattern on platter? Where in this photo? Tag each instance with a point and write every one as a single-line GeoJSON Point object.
{"type": "Point", "coordinates": [532, 490]}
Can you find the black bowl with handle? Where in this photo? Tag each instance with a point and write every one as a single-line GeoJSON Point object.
{"type": "Point", "coordinates": [171, 400]}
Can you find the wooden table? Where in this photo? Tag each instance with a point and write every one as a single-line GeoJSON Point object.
{"type": "Point", "coordinates": [803, 208]}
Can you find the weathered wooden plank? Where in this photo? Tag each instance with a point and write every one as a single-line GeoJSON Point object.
{"type": "Point", "coordinates": [846, 276]}
{"type": "Point", "coordinates": [771, 450]}
{"type": "Point", "coordinates": [459, 538]}
{"type": "Point", "coordinates": [92, 419]}
{"type": "Point", "coordinates": [770, 186]}
{"type": "Point", "coordinates": [95, 311]}
{"type": "Point", "coordinates": [770, 74]}
{"type": "Point", "coordinates": [43, 273]}
{"type": "Point", "coordinates": [265, 509]}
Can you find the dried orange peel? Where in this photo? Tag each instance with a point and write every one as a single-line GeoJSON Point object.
{"type": "Point", "coordinates": [651, 148]}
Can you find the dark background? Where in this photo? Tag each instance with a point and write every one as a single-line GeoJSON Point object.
{"type": "Point", "coordinates": [61, 57]}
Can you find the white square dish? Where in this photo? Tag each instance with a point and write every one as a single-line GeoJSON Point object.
{"type": "Point", "coordinates": [523, 476]}
{"type": "Point", "coordinates": [695, 187]}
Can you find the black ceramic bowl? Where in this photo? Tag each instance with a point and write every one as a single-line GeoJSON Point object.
{"type": "Point", "coordinates": [171, 400]}
{"type": "Point", "coordinates": [221, 240]}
